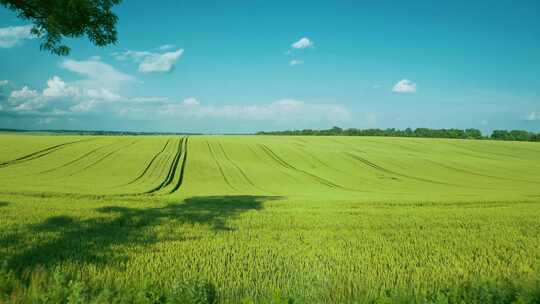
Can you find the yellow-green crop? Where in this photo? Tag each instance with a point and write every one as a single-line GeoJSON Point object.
{"type": "Point", "coordinates": [315, 219]}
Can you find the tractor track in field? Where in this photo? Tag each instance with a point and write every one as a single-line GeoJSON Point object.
{"type": "Point", "coordinates": [149, 164]}
{"type": "Point", "coordinates": [154, 175]}
{"type": "Point", "coordinates": [285, 164]}
{"type": "Point", "coordinates": [382, 169]}
{"type": "Point", "coordinates": [40, 153]}
{"type": "Point", "coordinates": [238, 167]}
{"type": "Point", "coordinates": [305, 154]}
{"type": "Point", "coordinates": [479, 174]}
{"type": "Point", "coordinates": [78, 159]}
{"type": "Point", "coordinates": [468, 153]}
{"type": "Point", "coordinates": [476, 151]}
{"type": "Point", "coordinates": [162, 165]}
{"type": "Point", "coordinates": [173, 168]}
{"type": "Point", "coordinates": [393, 144]}
{"type": "Point", "coordinates": [182, 167]}
{"type": "Point", "coordinates": [219, 166]}
{"type": "Point", "coordinates": [348, 146]}
{"type": "Point", "coordinates": [99, 160]}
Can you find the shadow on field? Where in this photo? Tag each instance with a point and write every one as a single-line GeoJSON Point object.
{"type": "Point", "coordinates": [108, 239]}
{"type": "Point", "coordinates": [3, 204]}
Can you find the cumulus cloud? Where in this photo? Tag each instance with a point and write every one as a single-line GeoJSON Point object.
{"type": "Point", "coordinates": [303, 43]}
{"type": "Point", "coordinates": [56, 87]}
{"type": "Point", "coordinates": [152, 62]}
{"type": "Point", "coordinates": [24, 93]}
{"type": "Point", "coordinates": [99, 84]}
{"type": "Point", "coordinates": [3, 83]}
{"type": "Point", "coordinates": [296, 62]}
{"type": "Point", "coordinates": [533, 116]}
{"type": "Point", "coordinates": [27, 99]}
{"type": "Point", "coordinates": [404, 86]}
{"type": "Point", "coordinates": [13, 35]}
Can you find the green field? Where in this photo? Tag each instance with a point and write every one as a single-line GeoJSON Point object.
{"type": "Point", "coordinates": [313, 219]}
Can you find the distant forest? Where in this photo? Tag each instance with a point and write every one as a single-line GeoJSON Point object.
{"type": "Point", "coordinates": [515, 135]}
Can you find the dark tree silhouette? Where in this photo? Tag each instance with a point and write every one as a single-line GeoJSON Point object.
{"type": "Point", "coordinates": [54, 20]}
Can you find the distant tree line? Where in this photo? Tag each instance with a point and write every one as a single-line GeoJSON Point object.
{"type": "Point", "coordinates": [516, 135]}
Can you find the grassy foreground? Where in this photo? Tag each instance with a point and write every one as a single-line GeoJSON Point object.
{"type": "Point", "coordinates": [232, 218]}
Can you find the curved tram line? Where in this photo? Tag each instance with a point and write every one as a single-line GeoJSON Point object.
{"type": "Point", "coordinates": [40, 153]}
{"type": "Point", "coordinates": [149, 165]}
{"type": "Point", "coordinates": [177, 166]}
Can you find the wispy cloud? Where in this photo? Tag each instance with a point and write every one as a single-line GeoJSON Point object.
{"type": "Point", "coordinates": [97, 72]}
{"type": "Point", "coordinates": [13, 35]}
{"type": "Point", "coordinates": [190, 102]}
{"type": "Point", "coordinates": [166, 47]}
{"type": "Point", "coordinates": [404, 86]}
{"type": "Point", "coordinates": [284, 111]}
{"type": "Point", "coordinates": [303, 43]}
{"type": "Point", "coordinates": [296, 62]}
{"type": "Point", "coordinates": [152, 62]}
{"type": "Point", "coordinates": [533, 116]}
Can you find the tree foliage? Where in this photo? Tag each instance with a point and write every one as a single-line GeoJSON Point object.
{"type": "Point", "coordinates": [517, 135]}
{"type": "Point", "coordinates": [54, 20]}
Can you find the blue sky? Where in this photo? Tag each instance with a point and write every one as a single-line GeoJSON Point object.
{"type": "Point", "coordinates": [244, 66]}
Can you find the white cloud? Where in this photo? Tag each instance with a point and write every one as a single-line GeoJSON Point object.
{"type": "Point", "coordinates": [150, 62]}
{"type": "Point", "coordinates": [190, 102]}
{"type": "Point", "coordinates": [303, 43]}
{"type": "Point", "coordinates": [102, 94]}
{"type": "Point", "coordinates": [56, 87]}
{"type": "Point", "coordinates": [283, 111]}
{"type": "Point", "coordinates": [149, 100]}
{"type": "Point", "coordinates": [131, 55]}
{"type": "Point", "coordinates": [404, 86]}
{"type": "Point", "coordinates": [27, 99]}
{"type": "Point", "coordinates": [3, 83]}
{"type": "Point", "coordinates": [533, 116]}
{"type": "Point", "coordinates": [84, 106]}
{"type": "Point", "coordinates": [166, 47]}
{"type": "Point", "coordinates": [79, 96]}
{"type": "Point", "coordinates": [12, 35]}
{"type": "Point", "coordinates": [24, 93]}
{"type": "Point", "coordinates": [99, 85]}
{"type": "Point", "coordinates": [160, 62]}
{"type": "Point", "coordinates": [97, 73]}
{"type": "Point", "coordinates": [296, 62]}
